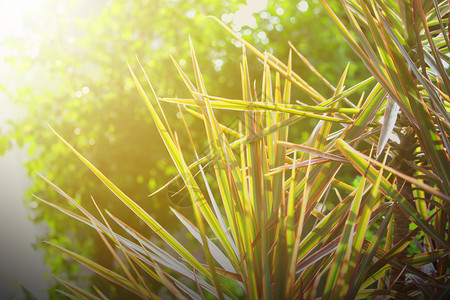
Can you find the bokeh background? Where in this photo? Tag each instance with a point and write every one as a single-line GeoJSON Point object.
{"type": "Point", "coordinates": [64, 63]}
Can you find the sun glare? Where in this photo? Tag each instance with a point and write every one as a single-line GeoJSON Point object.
{"type": "Point", "coordinates": [13, 15]}
{"type": "Point", "coordinates": [244, 16]}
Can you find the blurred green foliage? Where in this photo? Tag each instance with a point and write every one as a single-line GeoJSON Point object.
{"type": "Point", "coordinates": [75, 78]}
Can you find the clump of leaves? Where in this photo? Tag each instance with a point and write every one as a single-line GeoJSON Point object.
{"type": "Point", "coordinates": [265, 222]}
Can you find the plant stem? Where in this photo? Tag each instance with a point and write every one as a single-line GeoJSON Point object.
{"type": "Point", "coordinates": [401, 221]}
{"type": "Point", "coordinates": [401, 229]}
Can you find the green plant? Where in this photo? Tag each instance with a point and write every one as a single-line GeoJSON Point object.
{"type": "Point", "coordinates": [276, 231]}
{"type": "Point", "coordinates": [78, 82]}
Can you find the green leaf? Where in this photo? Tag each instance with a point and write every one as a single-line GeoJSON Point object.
{"type": "Point", "coordinates": [365, 168]}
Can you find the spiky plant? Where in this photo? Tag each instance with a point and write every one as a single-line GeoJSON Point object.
{"type": "Point", "coordinates": [266, 220]}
